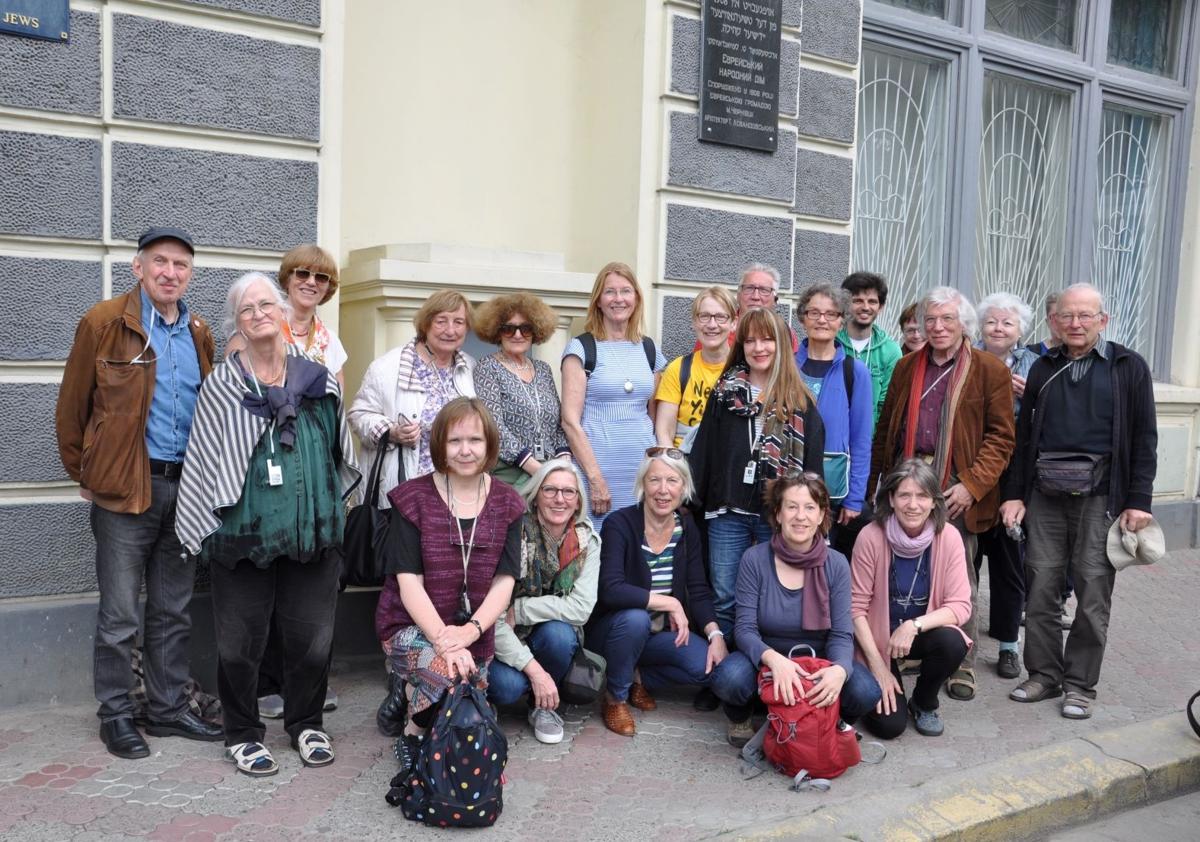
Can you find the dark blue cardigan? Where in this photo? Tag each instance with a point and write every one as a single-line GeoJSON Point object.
{"type": "Point", "coordinates": [625, 576]}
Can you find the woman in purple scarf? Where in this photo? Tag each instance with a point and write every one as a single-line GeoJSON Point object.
{"type": "Point", "coordinates": [793, 590]}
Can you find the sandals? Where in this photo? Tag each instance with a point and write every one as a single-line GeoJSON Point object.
{"type": "Point", "coordinates": [1032, 690]}
{"type": "Point", "coordinates": [961, 685]}
{"type": "Point", "coordinates": [1077, 706]}
{"type": "Point", "coordinates": [314, 747]}
{"type": "Point", "coordinates": [253, 759]}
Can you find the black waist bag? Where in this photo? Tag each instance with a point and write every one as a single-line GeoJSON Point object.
{"type": "Point", "coordinates": [1065, 474]}
{"type": "Point", "coordinates": [458, 780]}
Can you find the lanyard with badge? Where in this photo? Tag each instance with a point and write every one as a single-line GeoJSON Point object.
{"type": "Point", "coordinates": [754, 436]}
{"type": "Point", "coordinates": [274, 472]}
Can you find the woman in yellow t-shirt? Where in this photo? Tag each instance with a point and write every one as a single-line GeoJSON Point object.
{"type": "Point", "coordinates": [681, 404]}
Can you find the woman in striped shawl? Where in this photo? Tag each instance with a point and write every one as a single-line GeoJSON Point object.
{"type": "Point", "coordinates": [268, 466]}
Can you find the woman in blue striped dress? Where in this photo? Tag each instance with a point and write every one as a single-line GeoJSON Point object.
{"type": "Point", "coordinates": [607, 414]}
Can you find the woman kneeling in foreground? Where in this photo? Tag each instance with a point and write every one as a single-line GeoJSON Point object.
{"type": "Point", "coordinates": [793, 590]}
{"type": "Point", "coordinates": [652, 592]}
{"type": "Point", "coordinates": [911, 594]}
{"type": "Point", "coordinates": [452, 554]}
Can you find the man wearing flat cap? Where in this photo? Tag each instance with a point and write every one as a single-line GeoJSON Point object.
{"type": "Point", "coordinates": [123, 417]}
{"type": "Point", "coordinates": [1086, 456]}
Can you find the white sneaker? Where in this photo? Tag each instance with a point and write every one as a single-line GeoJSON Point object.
{"type": "Point", "coordinates": [547, 726]}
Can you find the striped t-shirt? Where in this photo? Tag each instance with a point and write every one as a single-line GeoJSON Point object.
{"type": "Point", "coordinates": [662, 564]}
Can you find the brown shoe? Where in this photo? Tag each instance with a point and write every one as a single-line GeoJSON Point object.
{"type": "Point", "coordinates": [618, 718]}
{"type": "Point", "coordinates": [640, 698]}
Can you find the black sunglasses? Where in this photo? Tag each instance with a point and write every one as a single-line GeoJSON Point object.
{"type": "Point", "coordinates": [321, 277]}
{"type": "Point", "coordinates": [510, 329]}
{"type": "Point", "coordinates": [672, 452]}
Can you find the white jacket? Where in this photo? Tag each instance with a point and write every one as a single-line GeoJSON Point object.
{"type": "Point", "coordinates": [389, 390]}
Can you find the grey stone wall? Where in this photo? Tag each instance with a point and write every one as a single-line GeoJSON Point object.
{"type": "Point", "coordinates": [166, 72]}
{"type": "Point", "coordinates": [225, 103]}
{"type": "Point", "coordinates": [818, 98]}
{"type": "Point", "coordinates": [51, 76]}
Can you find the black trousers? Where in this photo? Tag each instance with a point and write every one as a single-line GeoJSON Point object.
{"type": "Point", "coordinates": [940, 650]}
{"type": "Point", "coordinates": [1006, 582]}
{"type": "Point", "coordinates": [300, 601]}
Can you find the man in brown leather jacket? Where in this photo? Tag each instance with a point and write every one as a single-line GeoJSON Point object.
{"type": "Point", "coordinates": [123, 417]}
{"type": "Point", "coordinates": [951, 405]}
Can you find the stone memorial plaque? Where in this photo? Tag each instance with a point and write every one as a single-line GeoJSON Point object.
{"type": "Point", "coordinates": [49, 20]}
{"type": "Point", "coordinates": [739, 72]}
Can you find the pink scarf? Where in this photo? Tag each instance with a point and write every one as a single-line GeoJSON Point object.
{"type": "Point", "coordinates": [905, 545]}
{"type": "Point", "coordinates": [815, 599]}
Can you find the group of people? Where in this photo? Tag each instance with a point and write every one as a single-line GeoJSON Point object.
{"type": "Point", "coordinates": [690, 521]}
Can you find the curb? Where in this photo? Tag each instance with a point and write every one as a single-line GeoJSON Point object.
{"type": "Point", "coordinates": [1020, 797]}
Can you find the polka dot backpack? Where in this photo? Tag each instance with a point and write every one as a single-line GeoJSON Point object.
{"type": "Point", "coordinates": [458, 780]}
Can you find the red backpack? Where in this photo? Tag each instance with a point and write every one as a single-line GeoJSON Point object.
{"type": "Point", "coordinates": [802, 740]}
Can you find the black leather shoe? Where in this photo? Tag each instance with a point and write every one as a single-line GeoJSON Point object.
{"type": "Point", "coordinates": [705, 700]}
{"type": "Point", "coordinates": [188, 726]}
{"type": "Point", "coordinates": [1008, 665]}
{"type": "Point", "coordinates": [390, 716]}
{"type": "Point", "coordinates": [121, 738]}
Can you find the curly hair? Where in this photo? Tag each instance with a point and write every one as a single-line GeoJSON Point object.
{"type": "Point", "coordinates": [495, 312]}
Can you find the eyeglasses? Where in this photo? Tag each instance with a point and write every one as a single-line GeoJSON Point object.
{"type": "Point", "coordinates": [816, 315]}
{"type": "Point", "coordinates": [551, 491]}
{"type": "Point", "coordinates": [753, 289]}
{"type": "Point", "coordinates": [305, 274]}
{"type": "Point", "coordinates": [671, 452]}
{"type": "Point", "coordinates": [509, 329]}
{"type": "Point", "coordinates": [712, 318]}
{"type": "Point", "coordinates": [267, 308]}
{"type": "Point", "coordinates": [947, 319]}
{"type": "Point", "coordinates": [1084, 319]}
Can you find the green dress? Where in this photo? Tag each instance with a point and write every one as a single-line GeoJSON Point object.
{"type": "Point", "coordinates": [301, 518]}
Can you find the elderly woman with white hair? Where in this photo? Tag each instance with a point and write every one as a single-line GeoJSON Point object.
{"type": "Point", "coordinates": [261, 501]}
{"type": "Point", "coordinates": [654, 601]}
{"type": "Point", "coordinates": [552, 599]}
{"type": "Point", "coordinates": [1004, 319]}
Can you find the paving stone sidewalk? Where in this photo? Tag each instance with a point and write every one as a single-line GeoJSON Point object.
{"type": "Point", "coordinates": [677, 779]}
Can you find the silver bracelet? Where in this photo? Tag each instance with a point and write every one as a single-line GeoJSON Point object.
{"type": "Point", "coordinates": [715, 633]}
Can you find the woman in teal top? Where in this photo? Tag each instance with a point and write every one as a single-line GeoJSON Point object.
{"type": "Point", "coordinates": [261, 501]}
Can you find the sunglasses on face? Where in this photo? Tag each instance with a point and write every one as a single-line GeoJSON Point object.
{"type": "Point", "coordinates": [510, 329]}
{"type": "Point", "coordinates": [672, 452]}
{"type": "Point", "coordinates": [305, 274]}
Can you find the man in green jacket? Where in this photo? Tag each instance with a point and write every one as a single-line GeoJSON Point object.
{"type": "Point", "coordinates": [863, 339]}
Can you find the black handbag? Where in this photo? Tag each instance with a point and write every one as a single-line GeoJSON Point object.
{"type": "Point", "coordinates": [584, 681]}
{"type": "Point", "coordinates": [1066, 474]}
{"type": "Point", "coordinates": [366, 529]}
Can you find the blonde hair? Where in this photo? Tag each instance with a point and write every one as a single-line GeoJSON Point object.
{"type": "Point", "coordinates": [595, 319]}
{"type": "Point", "coordinates": [719, 294]}
{"type": "Point", "coordinates": [785, 392]}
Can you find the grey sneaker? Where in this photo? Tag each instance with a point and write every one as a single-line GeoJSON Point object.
{"type": "Point", "coordinates": [547, 726]}
{"type": "Point", "coordinates": [928, 722]}
{"type": "Point", "coordinates": [739, 733]}
{"type": "Point", "coordinates": [331, 700]}
{"type": "Point", "coordinates": [270, 707]}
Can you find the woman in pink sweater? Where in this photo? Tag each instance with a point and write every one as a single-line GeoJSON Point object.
{"type": "Point", "coordinates": [909, 596]}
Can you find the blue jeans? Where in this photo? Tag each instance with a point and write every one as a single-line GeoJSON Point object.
{"type": "Point", "coordinates": [130, 548]}
{"type": "Point", "coordinates": [626, 642]}
{"type": "Point", "coordinates": [735, 682]}
{"type": "Point", "coordinates": [553, 644]}
{"type": "Point", "coordinates": [729, 536]}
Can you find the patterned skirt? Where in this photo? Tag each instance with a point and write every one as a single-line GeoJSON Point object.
{"type": "Point", "coordinates": [412, 658]}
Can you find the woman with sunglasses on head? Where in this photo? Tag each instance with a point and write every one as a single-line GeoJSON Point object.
{"type": "Point", "coordinates": [553, 597]}
{"type": "Point", "coordinates": [308, 275]}
{"type": "Point", "coordinates": [518, 389]}
{"type": "Point", "coordinates": [654, 621]}
{"type": "Point", "coordinates": [687, 381]}
{"type": "Point", "coordinates": [761, 422]}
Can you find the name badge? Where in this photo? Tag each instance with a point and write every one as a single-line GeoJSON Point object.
{"type": "Point", "coordinates": [539, 452]}
{"type": "Point", "coordinates": [750, 472]}
{"type": "Point", "coordinates": [274, 473]}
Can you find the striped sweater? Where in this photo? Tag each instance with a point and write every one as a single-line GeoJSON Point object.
{"type": "Point", "coordinates": [222, 441]}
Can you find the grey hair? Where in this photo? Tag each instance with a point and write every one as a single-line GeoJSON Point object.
{"type": "Point", "coordinates": [949, 295]}
{"type": "Point", "coordinates": [1085, 287]}
{"type": "Point", "coordinates": [679, 466]}
{"type": "Point", "coordinates": [923, 475]}
{"type": "Point", "coordinates": [1008, 302]}
{"type": "Point", "coordinates": [839, 297]}
{"type": "Point", "coordinates": [237, 290]}
{"type": "Point", "coordinates": [1051, 302]}
{"type": "Point", "coordinates": [761, 267]}
{"type": "Point", "coordinates": [540, 476]}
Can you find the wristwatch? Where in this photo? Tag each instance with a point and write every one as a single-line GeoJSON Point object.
{"type": "Point", "coordinates": [917, 625]}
